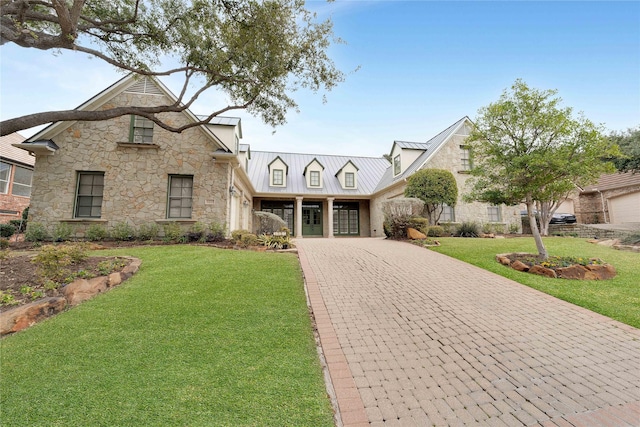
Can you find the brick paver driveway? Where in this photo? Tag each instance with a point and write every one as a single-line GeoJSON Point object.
{"type": "Point", "coordinates": [415, 338]}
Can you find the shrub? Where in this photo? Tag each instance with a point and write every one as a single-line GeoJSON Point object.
{"type": "Point", "coordinates": [236, 235]}
{"type": "Point", "coordinates": [435, 231]}
{"type": "Point", "coordinates": [275, 242]}
{"type": "Point", "coordinates": [36, 232]}
{"type": "Point", "coordinates": [487, 228]}
{"type": "Point", "coordinates": [267, 222]}
{"type": "Point", "coordinates": [19, 224]}
{"type": "Point", "coordinates": [633, 239]}
{"type": "Point", "coordinates": [514, 228]}
{"type": "Point", "coordinates": [7, 230]}
{"type": "Point", "coordinates": [172, 232]}
{"type": "Point", "coordinates": [148, 231]}
{"type": "Point", "coordinates": [62, 232]}
{"type": "Point", "coordinates": [398, 214]}
{"type": "Point", "coordinates": [122, 231]}
{"type": "Point", "coordinates": [217, 232]}
{"type": "Point", "coordinates": [468, 229]}
{"type": "Point", "coordinates": [51, 261]}
{"type": "Point", "coordinates": [96, 233]}
{"type": "Point", "coordinates": [4, 243]}
{"type": "Point", "coordinates": [419, 223]}
{"type": "Point", "coordinates": [249, 239]}
{"type": "Point", "coordinates": [197, 232]}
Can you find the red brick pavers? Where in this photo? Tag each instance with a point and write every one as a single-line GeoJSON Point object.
{"type": "Point", "coordinates": [431, 341]}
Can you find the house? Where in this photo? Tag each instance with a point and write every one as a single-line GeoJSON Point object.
{"type": "Point", "coordinates": [16, 170]}
{"type": "Point", "coordinates": [614, 199]}
{"type": "Point", "coordinates": [128, 169]}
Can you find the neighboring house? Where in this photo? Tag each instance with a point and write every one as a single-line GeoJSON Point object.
{"type": "Point", "coordinates": [127, 169]}
{"type": "Point", "coordinates": [16, 170]}
{"type": "Point", "coordinates": [615, 199]}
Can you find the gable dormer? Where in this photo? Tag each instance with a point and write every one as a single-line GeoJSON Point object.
{"type": "Point", "coordinates": [403, 154]}
{"type": "Point", "coordinates": [348, 176]}
{"type": "Point", "coordinates": [313, 174]}
{"type": "Point", "coordinates": [278, 171]}
{"type": "Point", "coordinates": [244, 155]}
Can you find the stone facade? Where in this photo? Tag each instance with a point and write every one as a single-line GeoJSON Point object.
{"type": "Point", "coordinates": [135, 176]}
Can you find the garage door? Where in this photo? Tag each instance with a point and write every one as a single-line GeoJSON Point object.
{"type": "Point", "coordinates": [625, 208]}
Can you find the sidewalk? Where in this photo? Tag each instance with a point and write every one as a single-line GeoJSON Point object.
{"type": "Point", "coordinates": [415, 338]}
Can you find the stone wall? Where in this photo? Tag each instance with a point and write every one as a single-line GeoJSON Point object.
{"type": "Point", "coordinates": [586, 232]}
{"type": "Point", "coordinates": [136, 178]}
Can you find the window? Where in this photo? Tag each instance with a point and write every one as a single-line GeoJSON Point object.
{"type": "Point", "coordinates": [180, 196]}
{"type": "Point", "coordinates": [396, 165]}
{"type": "Point", "coordinates": [345, 219]}
{"type": "Point", "coordinates": [494, 214]}
{"type": "Point", "coordinates": [22, 182]}
{"type": "Point", "coordinates": [283, 209]}
{"type": "Point", "coordinates": [465, 157]}
{"type": "Point", "coordinates": [448, 214]}
{"type": "Point", "coordinates": [5, 173]}
{"type": "Point", "coordinates": [141, 130]}
{"type": "Point", "coordinates": [89, 194]}
{"type": "Point", "coordinates": [278, 177]}
{"type": "Point", "coordinates": [314, 178]}
{"type": "Point", "coordinates": [349, 179]}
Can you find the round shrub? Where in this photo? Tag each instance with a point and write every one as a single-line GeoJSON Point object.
{"type": "Point", "coordinates": [148, 231]}
{"type": "Point", "coordinates": [7, 230]}
{"type": "Point", "coordinates": [249, 240]}
{"type": "Point", "coordinates": [36, 232]}
{"type": "Point", "coordinates": [96, 233]}
{"type": "Point", "coordinates": [123, 231]}
{"type": "Point", "coordinates": [435, 231]}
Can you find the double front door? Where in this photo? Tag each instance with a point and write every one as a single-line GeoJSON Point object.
{"type": "Point", "coordinates": [311, 219]}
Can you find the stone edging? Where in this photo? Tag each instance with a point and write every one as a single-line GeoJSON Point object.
{"type": "Point", "coordinates": [576, 271]}
{"type": "Point", "coordinates": [19, 318]}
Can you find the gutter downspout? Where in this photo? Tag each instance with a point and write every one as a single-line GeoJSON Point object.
{"type": "Point", "coordinates": [604, 212]}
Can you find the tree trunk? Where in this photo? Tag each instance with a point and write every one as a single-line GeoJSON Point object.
{"type": "Point", "coordinates": [542, 251]}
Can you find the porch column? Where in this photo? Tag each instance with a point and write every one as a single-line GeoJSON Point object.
{"type": "Point", "coordinates": [330, 216]}
{"type": "Point", "coordinates": [298, 217]}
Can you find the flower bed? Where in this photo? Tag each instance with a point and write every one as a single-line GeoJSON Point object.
{"type": "Point", "coordinates": [559, 267]}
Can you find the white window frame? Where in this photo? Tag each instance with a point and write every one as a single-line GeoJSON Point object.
{"type": "Point", "coordinates": [349, 179]}
{"type": "Point", "coordinates": [5, 169]}
{"type": "Point", "coordinates": [465, 158]}
{"type": "Point", "coordinates": [18, 186]}
{"type": "Point", "coordinates": [397, 166]}
{"type": "Point", "coordinates": [278, 177]}
{"type": "Point", "coordinates": [314, 178]}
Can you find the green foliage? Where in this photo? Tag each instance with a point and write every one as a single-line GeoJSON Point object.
{"type": "Point", "coordinates": [467, 229]}
{"type": "Point", "coordinates": [633, 239]}
{"type": "Point", "coordinates": [6, 299]}
{"type": "Point", "coordinates": [514, 228]}
{"type": "Point", "coordinates": [109, 266]}
{"type": "Point", "coordinates": [398, 214]}
{"type": "Point", "coordinates": [4, 244]}
{"type": "Point", "coordinates": [36, 232]}
{"type": "Point", "coordinates": [172, 231]}
{"type": "Point", "coordinates": [52, 261]}
{"type": "Point", "coordinates": [148, 231]}
{"type": "Point", "coordinates": [217, 232]}
{"type": "Point", "coordinates": [7, 230]}
{"type": "Point", "coordinates": [236, 235]}
{"type": "Point", "coordinates": [436, 188]}
{"type": "Point", "coordinates": [96, 233]}
{"type": "Point", "coordinates": [19, 224]}
{"type": "Point", "coordinates": [249, 239]}
{"type": "Point", "coordinates": [123, 232]}
{"type": "Point", "coordinates": [197, 232]}
{"type": "Point", "coordinates": [62, 232]}
{"type": "Point", "coordinates": [419, 223]}
{"type": "Point", "coordinates": [435, 231]}
{"type": "Point", "coordinates": [257, 53]}
{"type": "Point", "coordinates": [629, 144]}
{"type": "Point", "coordinates": [528, 149]}
{"type": "Point", "coordinates": [275, 241]}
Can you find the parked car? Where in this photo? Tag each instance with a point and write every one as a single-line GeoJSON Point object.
{"type": "Point", "coordinates": [557, 218]}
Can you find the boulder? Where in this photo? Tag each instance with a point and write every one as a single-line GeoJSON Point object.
{"type": "Point", "coordinates": [131, 269]}
{"type": "Point", "coordinates": [114, 279]}
{"type": "Point", "coordinates": [602, 271]}
{"type": "Point", "coordinates": [19, 318]}
{"type": "Point", "coordinates": [543, 271]}
{"type": "Point", "coordinates": [519, 265]}
{"type": "Point", "coordinates": [575, 271]}
{"type": "Point", "coordinates": [503, 260]}
{"type": "Point", "coordinates": [82, 290]}
{"type": "Point", "coordinates": [414, 234]}
{"type": "Point", "coordinates": [609, 242]}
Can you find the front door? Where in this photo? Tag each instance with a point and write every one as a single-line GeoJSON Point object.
{"type": "Point", "coordinates": [312, 219]}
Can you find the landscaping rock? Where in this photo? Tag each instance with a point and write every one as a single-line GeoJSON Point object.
{"type": "Point", "coordinates": [543, 271]}
{"type": "Point", "coordinates": [503, 260]}
{"type": "Point", "coordinates": [114, 279]}
{"type": "Point", "coordinates": [131, 269]}
{"type": "Point", "coordinates": [578, 272]}
{"type": "Point", "coordinates": [414, 234]}
{"type": "Point", "coordinates": [609, 243]}
{"type": "Point", "coordinates": [602, 272]}
{"type": "Point", "coordinates": [19, 318]}
{"type": "Point", "coordinates": [82, 290]}
{"type": "Point", "coordinates": [520, 266]}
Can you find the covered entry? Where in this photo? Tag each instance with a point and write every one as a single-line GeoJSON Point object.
{"type": "Point", "coordinates": [312, 219]}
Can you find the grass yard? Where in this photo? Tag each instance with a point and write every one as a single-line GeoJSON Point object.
{"type": "Point", "coordinates": [198, 337]}
{"type": "Point", "coordinates": [618, 298]}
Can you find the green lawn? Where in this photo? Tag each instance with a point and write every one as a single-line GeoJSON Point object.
{"type": "Point", "coordinates": [618, 298]}
{"type": "Point", "coordinates": [198, 337]}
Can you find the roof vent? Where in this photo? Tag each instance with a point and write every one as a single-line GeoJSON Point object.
{"type": "Point", "coordinates": [146, 86]}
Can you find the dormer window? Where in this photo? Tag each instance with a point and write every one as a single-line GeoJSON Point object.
{"type": "Point", "coordinates": [313, 174]}
{"type": "Point", "coordinates": [349, 179]}
{"type": "Point", "coordinates": [396, 165]}
{"type": "Point", "coordinates": [141, 131]}
{"type": "Point", "coordinates": [278, 177]}
{"type": "Point", "coordinates": [348, 176]}
{"type": "Point", "coordinates": [278, 171]}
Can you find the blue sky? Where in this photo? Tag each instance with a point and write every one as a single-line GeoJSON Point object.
{"type": "Point", "coordinates": [423, 65]}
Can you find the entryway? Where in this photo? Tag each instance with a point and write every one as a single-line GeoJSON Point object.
{"type": "Point", "coordinates": [312, 219]}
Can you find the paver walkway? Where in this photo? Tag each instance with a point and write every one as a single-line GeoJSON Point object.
{"type": "Point", "coordinates": [415, 338]}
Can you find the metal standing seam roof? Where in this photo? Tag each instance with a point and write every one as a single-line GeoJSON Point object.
{"type": "Point", "coordinates": [432, 146]}
{"type": "Point", "coordinates": [371, 170]}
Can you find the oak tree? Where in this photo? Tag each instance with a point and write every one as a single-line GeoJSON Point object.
{"type": "Point", "coordinates": [256, 52]}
